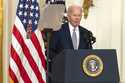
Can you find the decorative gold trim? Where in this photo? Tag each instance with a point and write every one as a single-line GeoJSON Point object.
{"type": "Point", "coordinates": [1, 38]}
{"type": "Point", "coordinates": [92, 65]}
{"type": "Point", "coordinates": [86, 5]}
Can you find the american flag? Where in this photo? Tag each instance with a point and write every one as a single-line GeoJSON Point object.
{"type": "Point", "coordinates": [27, 57]}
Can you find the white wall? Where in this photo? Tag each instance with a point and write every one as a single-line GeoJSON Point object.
{"type": "Point", "coordinates": [123, 41]}
{"type": "Point", "coordinates": [116, 40]}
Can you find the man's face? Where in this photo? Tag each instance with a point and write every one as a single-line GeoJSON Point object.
{"type": "Point", "coordinates": [74, 16]}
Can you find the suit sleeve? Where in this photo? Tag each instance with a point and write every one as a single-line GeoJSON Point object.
{"type": "Point", "coordinates": [88, 38]}
{"type": "Point", "coordinates": [53, 45]}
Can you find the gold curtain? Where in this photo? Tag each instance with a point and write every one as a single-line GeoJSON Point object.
{"type": "Point", "coordinates": [1, 34]}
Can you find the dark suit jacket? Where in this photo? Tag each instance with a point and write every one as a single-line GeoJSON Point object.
{"type": "Point", "coordinates": [61, 40]}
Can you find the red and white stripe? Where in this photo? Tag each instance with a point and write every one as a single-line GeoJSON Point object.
{"type": "Point", "coordinates": [27, 56]}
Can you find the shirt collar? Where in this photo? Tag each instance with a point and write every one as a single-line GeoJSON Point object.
{"type": "Point", "coordinates": [72, 28]}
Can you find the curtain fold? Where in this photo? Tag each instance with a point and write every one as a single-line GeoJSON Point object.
{"type": "Point", "coordinates": [1, 38]}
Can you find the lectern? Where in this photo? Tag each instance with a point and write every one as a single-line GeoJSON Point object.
{"type": "Point", "coordinates": [85, 66]}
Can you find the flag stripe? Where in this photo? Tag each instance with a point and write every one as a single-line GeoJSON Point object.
{"type": "Point", "coordinates": [13, 77]}
{"type": "Point", "coordinates": [20, 27]}
{"type": "Point", "coordinates": [35, 56]}
{"type": "Point", "coordinates": [40, 53]}
{"type": "Point", "coordinates": [27, 54]}
{"type": "Point", "coordinates": [39, 37]}
{"type": "Point", "coordinates": [22, 71]}
{"type": "Point", "coordinates": [24, 61]}
{"type": "Point", "coordinates": [16, 72]}
{"type": "Point", "coordinates": [37, 46]}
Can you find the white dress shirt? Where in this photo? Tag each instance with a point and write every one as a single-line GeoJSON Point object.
{"type": "Point", "coordinates": [71, 28]}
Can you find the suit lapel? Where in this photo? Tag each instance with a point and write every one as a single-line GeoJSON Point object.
{"type": "Point", "coordinates": [80, 32]}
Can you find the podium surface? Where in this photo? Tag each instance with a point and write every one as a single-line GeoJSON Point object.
{"type": "Point", "coordinates": [67, 67]}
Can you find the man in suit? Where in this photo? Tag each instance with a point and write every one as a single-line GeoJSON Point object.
{"type": "Point", "coordinates": [70, 36]}
{"type": "Point", "coordinates": [64, 38]}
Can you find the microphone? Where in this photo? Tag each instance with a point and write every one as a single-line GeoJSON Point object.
{"type": "Point", "coordinates": [92, 39]}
